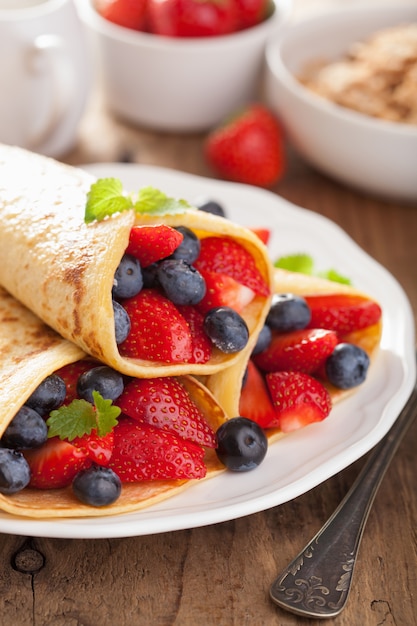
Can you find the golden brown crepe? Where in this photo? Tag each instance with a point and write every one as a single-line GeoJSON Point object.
{"type": "Point", "coordinates": [226, 385]}
{"type": "Point", "coordinates": [30, 351]}
{"type": "Point", "coordinates": [63, 269]}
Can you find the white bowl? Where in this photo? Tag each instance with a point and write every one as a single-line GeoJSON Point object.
{"type": "Point", "coordinates": [373, 155]}
{"type": "Point", "coordinates": [173, 84]}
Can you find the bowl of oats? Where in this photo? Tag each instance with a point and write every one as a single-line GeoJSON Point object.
{"type": "Point", "coordinates": [344, 84]}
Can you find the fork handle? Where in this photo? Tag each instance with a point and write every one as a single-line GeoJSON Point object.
{"type": "Point", "coordinates": [317, 582]}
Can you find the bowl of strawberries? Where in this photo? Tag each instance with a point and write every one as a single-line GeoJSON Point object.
{"type": "Point", "coordinates": [180, 65]}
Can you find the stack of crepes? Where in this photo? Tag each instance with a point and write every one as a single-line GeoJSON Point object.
{"type": "Point", "coordinates": [62, 269]}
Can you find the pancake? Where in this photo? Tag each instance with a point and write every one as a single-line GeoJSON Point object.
{"type": "Point", "coordinates": [62, 268]}
{"type": "Point", "coordinates": [30, 351]}
{"type": "Point", "coordinates": [226, 385]}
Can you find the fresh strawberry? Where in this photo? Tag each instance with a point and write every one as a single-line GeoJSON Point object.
{"type": "Point", "coordinates": [128, 13]}
{"type": "Point", "coordinates": [298, 350]}
{"type": "Point", "coordinates": [264, 234]}
{"type": "Point", "coordinates": [99, 449]}
{"type": "Point", "coordinates": [299, 400]}
{"type": "Point", "coordinates": [165, 403]}
{"type": "Point", "coordinates": [202, 346]}
{"type": "Point", "coordinates": [144, 452]}
{"type": "Point", "coordinates": [227, 256]}
{"type": "Point", "coordinates": [158, 330]}
{"type": "Point", "coordinates": [192, 18]}
{"type": "Point", "coordinates": [343, 313]}
{"type": "Point", "coordinates": [255, 401]}
{"type": "Point", "coordinates": [252, 12]}
{"type": "Point", "coordinates": [55, 464]}
{"type": "Point", "coordinates": [153, 243]}
{"type": "Point", "coordinates": [223, 290]}
{"type": "Point", "coordinates": [248, 149]}
{"type": "Point", "coordinates": [70, 375]}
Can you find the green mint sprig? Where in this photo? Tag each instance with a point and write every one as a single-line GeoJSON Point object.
{"type": "Point", "coordinates": [106, 197]}
{"type": "Point", "coordinates": [81, 417]}
{"type": "Point", "coordinates": [304, 264]}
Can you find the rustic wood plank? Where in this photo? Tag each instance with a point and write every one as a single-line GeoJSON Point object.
{"type": "Point", "coordinates": [219, 575]}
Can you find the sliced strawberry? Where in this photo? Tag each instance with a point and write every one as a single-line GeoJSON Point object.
{"type": "Point", "coordinates": [264, 234]}
{"type": "Point", "coordinates": [144, 452]}
{"type": "Point", "coordinates": [55, 464]}
{"type": "Point", "coordinates": [255, 401]}
{"type": "Point", "coordinates": [202, 346]}
{"type": "Point", "coordinates": [99, 449]}
{"type": "Point", "coordinates": [227, 256]}
{"type": "Point", "coordinates": [70, 375]}
{"type": "Point", "coordinates": [158, 330]}
{"type": "Point", "coordinates": [299, 400]}
{"type": "Point", "coordinates": [223, 290]}
{"type": "Point", "coordinates": [343, 313]}
{"type": "Point", "coordinates": [153, 243]}
{"type": "Point", "coordinates": [165, 403]}
{"type": "Point", "coordinates": [300, 350]}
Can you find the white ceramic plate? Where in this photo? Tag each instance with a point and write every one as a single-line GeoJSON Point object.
{"type": "Point", "coordinates": [302, 460]}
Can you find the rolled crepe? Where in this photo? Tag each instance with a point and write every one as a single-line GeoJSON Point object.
{"type": "Point", "coordinates": [63, 269]}
{"type": "Point", "coordinates": [30, 351]}
{"type": "Point", "coordinates": [226, 385]}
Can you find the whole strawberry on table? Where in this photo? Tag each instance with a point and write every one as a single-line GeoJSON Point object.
{"type": "Point", "coordinates": [248, 147]}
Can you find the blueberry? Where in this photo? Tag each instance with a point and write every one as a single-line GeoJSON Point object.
{"type": "Point", "coordinates": [27, 430]}
{"type": "Point", "coordinates": [241, 444]}
{"type": "Point", "coordinates": [181, 283]}
{"type": "Point", "coordinates": [121, 322]}
{"type": "Point", "coordinates": [14, 471]}
{"type": "Point", "coordinates": [288, 312]}
{"type": "Point", "coordinates": [263, 341]}
{"type": "Point", "coordinates": [49, 395]}
{"type": "Point", "coordinates": [226, 329]}
{"type": "Point", "coordinates": [150, 275]}
{"type": "Point", "coordinates": [347, 366]}
{"type": "Point", "coordinates": [97, 486]}
{"type": "Point", "coordinates": [128, 279]}
{"type": "Point", "coordinates": [103, 379]}
{"type": "Point", "coordinates": [210, 206]}
{"type": "Point", "coordinates": [189, 248]}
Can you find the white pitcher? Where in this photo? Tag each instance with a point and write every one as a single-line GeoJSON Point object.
{"type": "Point", "coordinates": [45, 74]}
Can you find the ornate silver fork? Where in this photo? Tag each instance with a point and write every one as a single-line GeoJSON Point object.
{"type": "Point", "coordinates": [317, 582]}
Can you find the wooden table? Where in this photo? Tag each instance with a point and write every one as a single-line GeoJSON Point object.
{"type": "Point", "coordinates": [220, 575]}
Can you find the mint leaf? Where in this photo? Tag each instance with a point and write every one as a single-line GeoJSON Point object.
{"type": "Point", "coordinates": [304, 264]}
{"type": "Point", "coordinates": [81, 417]}
{"type": "Point", "coordinates": [155, 202]}
{"type": "Point", "coordinates": [301, 263]}
{"type": "Point", "coordinates": [334, 276]}
{"type": "Point", "coordinates": [106, 198]}
{"type": "Point", "coordinates": [106, 414]}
